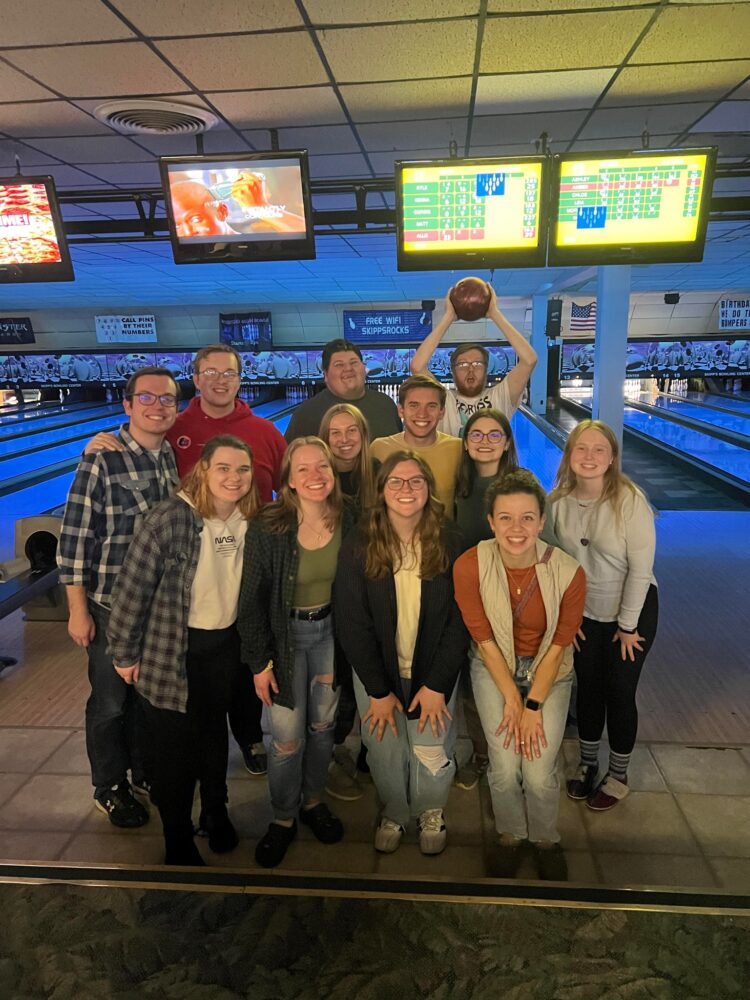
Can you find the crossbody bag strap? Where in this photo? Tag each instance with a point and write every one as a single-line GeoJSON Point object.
{"type": "Point", "coordinates": [532, 587]}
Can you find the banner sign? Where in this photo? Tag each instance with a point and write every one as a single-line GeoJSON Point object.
{"type": "Point", "coordinates": [16, 330]}
{"type": "Point", "coordinates": [664, 359]}
{"type": "Point", "coordinates": [246, 331]}
{"type": "Point", "coordinates": [125, 329]}
{"type": "Point", "coordinates": [734, 314]}
{"type": "Point", "coordinates": [363, 326]}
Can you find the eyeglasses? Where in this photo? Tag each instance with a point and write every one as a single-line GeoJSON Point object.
{"type": "Point", "coordinates": [464, 366]}
{"type": "Point", "coordinates": [149, 398]}
{"type": "Point", "coordinates": [494, 437]}
{"type": "Point", "coordinates": [396, 483]}
{"type": "Point", "coordinates": [229, 375]}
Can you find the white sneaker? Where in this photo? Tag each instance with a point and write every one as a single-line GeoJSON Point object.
{"type": "Point", "coordinates": [432, 832]}
{"type": "Point", "coordinates": [388, 836]}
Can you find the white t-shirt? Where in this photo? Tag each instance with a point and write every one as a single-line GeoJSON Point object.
{"type": "Point", "coordinates": [459, 408]}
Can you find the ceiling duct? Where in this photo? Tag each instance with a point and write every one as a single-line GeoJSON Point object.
{"type": "Point", "coordinates": [145, 117]}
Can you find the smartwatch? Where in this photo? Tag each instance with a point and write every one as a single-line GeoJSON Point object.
{"type": "Point", "coordinates": [627, 631]}
{"type": "Point", "coordinates": [533, 705]}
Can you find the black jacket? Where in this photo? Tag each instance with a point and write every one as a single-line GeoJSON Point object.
{"type": "Point", "coordinates": [366, 618]}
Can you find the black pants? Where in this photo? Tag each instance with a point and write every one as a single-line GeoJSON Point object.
{"type": "Point", "coordinates": [607, 683]}
{"type": "Point", "coordinates": [245, 711]}
{"type": "Point", "coordinates": [193, 745]}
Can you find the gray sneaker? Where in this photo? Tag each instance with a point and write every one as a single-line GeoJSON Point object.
{"type": "Point", "coordinates": [468, 776]}
{"type": "Point", "coordinates": [388, 836]}
{"type": "Point", "coordinates": [341, 782]}
{"type": "Point", "coordinates": [432, 832]}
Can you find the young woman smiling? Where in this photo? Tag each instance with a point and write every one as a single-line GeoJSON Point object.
{"type": "Point", "coordinates": [522, 601]}
{"type": "Point", "coordinates": [172, 634]}
{"type": "Point", "coordinates": [606, 523]}
{"type": "Point", "coordinates": [287, 638]}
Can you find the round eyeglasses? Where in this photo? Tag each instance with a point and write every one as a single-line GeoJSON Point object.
{"type": "Point", "coordinates": [149, 398]}
{"type": "Point", "coordinates": [494, 437]}
{"type": "Point", "coordinates": [396, 483]}
{"type": "Point", "coordinates": [228, 376]}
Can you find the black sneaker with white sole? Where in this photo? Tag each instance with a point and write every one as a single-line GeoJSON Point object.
{"type": "Point", "coordinates": [121, 806]}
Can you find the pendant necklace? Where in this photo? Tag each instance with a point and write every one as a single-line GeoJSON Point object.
{"type": "Point", "coordinates": [526, 579]}
{"type": "Point", "coordinates": [584, 524]}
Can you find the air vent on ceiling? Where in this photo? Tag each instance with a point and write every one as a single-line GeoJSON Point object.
{"type": "Point", "coordinates": [155, 117]}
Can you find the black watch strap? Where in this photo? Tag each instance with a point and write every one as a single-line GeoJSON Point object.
{"type": "Point", "coordinates": [627, 631]}
{"type": "Point", "coordinates": [533, 705]}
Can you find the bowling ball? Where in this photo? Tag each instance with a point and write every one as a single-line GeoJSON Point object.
{"type": "Point", "coordinates": [470, 297]}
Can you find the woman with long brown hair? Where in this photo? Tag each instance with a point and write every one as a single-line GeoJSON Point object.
{"type": "Point", "coordinates": [172, 634]}
{"type": "Point", "coordinates": [287, 639]}
{"type": "Point", "coordinates": [604, 520]}
{"type": "Point", "coordinates": [401, 630]}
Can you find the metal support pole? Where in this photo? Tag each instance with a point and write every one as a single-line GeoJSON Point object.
{"type": "Point", "coordinates": [538, 383]}
{"type": "Point", "coordinates": [611, 345]}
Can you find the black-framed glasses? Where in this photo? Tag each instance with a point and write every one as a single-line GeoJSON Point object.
{"type": "Point", "coordinates": [396, 483]}
{"type": "Point", "coordinates": [228, 376]}
{"type": "Point", "coordinates": [494, 437]}
{"type": "Point", "coordinates": [464, 366]}
{"type": "Point", "coordinates": [149, 398]}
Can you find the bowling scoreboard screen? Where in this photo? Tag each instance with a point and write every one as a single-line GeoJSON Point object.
{"type": "Point", "coordinates": [639, 208]}
{"type": "Point", "coordinates": [32, 240]}
{"type": "Point", "coordinates": [241, 207]}
{"type": "Point", "coordinates": [471, 213]}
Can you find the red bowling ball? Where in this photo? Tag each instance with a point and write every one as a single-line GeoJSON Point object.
{"type": "Point", "coordinates": [470, 298]}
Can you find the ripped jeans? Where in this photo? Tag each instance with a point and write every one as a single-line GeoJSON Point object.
{"type": "Point", "coordinates": [302, 737]}
{"type": "Point", "coordinates": [414, 771]}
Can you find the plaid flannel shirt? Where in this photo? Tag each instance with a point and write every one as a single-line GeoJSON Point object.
{"type": "Point", "coordinates": [111, 493]}
{"type": "Point", "coordinates": [148, 623]}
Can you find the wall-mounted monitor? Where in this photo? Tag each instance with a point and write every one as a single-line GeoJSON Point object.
{"type": "Point", "coordinates": [244, 207]}
{"type": "Point", "coordinates": [638, 207]}
{"type": "Point", "coordinates": [32, 239]}
{"type": "Point", "coordinates": [471, 213]}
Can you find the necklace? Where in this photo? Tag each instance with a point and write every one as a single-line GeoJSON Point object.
{"type": "Point", "coordinates": [584, 523]}
{"type": "Point", "coordinates": [519, 588]}
{"type": "Point", "coordinates": [314, 531]}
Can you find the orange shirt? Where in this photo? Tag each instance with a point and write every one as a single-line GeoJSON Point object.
{"type": "Point", "coordinates": [529, 629]}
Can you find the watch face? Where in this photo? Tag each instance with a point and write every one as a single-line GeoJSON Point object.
{"type": "Point", "coordinates": [533, 705]}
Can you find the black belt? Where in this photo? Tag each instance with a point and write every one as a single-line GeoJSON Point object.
{"type": "Point", "coordinates": [312, 614]}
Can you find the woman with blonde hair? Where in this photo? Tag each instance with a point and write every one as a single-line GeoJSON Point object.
{"type": "Point", "coordinates": [604, 521]}
{"type": "Point", "coordinates": [345, 430]}
{"type": "Point", "coordinates": [286, 628]}
{"type": "Point", "coordinates": [172, 634]}
{"type": "Point", "coordinates": [402, 632]}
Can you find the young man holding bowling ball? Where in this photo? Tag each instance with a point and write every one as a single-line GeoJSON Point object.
{"type": "Point", "coordinates": [469, 366]}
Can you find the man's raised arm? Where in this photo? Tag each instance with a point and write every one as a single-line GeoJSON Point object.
{"type": "Point", "coordinates": [431, 342]}
{"type": "Point", "coordinates": [527, 357]}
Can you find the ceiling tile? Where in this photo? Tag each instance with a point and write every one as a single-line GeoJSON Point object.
{"type": "Point", "coordinates": [382, 163]}
{"type": "Point", "coordinates": [363, 11]}
{"type": "Point", "coordinates": [33, 22]}
{"type": "Point", "coordinates": [676, 82]}
{"type": "Point", "coordinates": [729, 116]}
{"type": "Point", "coordinates": [107, 70]}
{"type": "Point", "coordinates": [333, 139]}
{"type": "Point", "coordinates": [71, 177]}
{"type": "Point", "coordinates": [504, 129]}
{"type": "Point", "coordinates": [279, 108]}
{"type": "Point", "coordinates": [14, 86]}
{"type": "Point", "coordinates": [623, 142]}
{"type": "Point", "coordinates": [544, 6]}
{"type": "Point", "coordinates": [567, 89]}
{"type": "Point", "coordinates": [560, 41]}
{"type": "Point", "coordinates": [742, 93]}
{"type": "Point", "coordinates": [400, 52]}
{"type": "Point", "coordinates": [631, 121]}
{"type": "Point", "coordinates": [346, 165]}
{"type": "Point", "coordinates": [92, 149]}
{"type": "Point", "coordinates": [127, 173]}
{"type": "Point", "coordinates": [180, 17]}
{"type": "Point", "coordinates": [48, 118]}
{"type": "Point", "coordinates": [29, 157]}
{"type": "Point", "coordinates": [729, 144]}
{"type": "Point", "coordinates": [414, 134]}
{"type": "Point", "coordinates": [217, 141]}
{"type": "Point", "coordinates": [237, 62]}
{"type": "Point", "coordinates": [696, 33]}
{"type": "Point", "coordinates": [369, 102]}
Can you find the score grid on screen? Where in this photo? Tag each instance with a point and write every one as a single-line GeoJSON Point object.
{"type": "Point", "coordinates": [482, 207]}
{"type": "Point", "coordinates": [654, 199]}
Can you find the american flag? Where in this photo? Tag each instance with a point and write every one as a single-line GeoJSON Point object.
{"type": "Point", "coordinates": [582, 317]}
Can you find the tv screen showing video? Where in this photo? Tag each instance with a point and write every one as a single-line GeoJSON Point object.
{"type": "Point", "coordinates": [664, 359]}
{"type": "Point", "coordinates": [235, 208]}
{"type": "Point", "coordinates": [471, 213]}
{"type": "Point", "coordinates": [639, 208]}
{"type": "Point", "coordinates": [32, 239]}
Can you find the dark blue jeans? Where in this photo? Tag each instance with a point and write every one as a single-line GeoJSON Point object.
{"type": "Point", "coordinates": [115, 739]}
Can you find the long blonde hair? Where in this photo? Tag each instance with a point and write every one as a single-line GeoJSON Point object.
{"type": "Point", "coordinates": [195, 483]}
{"type": "Point", "coordinates": [383, 549]}
{"type": "Point", "coordinates": [283, 514]}
{"type": "Point", "coordinates": [616, 484]}
{"type": "Point", "coordinates": [363, 477]}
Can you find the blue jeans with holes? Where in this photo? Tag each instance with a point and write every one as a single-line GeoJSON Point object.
{"type": "Point", "coordinates": [115, 737]}
{"type": "Point", "coordinates": [405, 784]}
{"type": "Point", "coordinates": [298, 776]}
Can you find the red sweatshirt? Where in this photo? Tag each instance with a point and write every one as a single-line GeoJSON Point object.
{"type": "Point", "coordinates": [193, 428]}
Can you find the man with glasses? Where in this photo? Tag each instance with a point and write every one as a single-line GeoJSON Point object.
{"type": "Point", "coordinates": [469, 365]}
{"type": "Point", "coordinates": [344, 373]}
{"type": "Point", "coordinates": [110, 494]}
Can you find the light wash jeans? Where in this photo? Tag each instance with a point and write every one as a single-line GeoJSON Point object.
{"type": "Point", "coordinates": [407, 783]}
{"type": "Point", "coordinates": [525, 793]}
{"type": "Point", "coordinates": [299, 776]}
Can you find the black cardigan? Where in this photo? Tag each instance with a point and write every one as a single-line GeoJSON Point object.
{"type": "Point", "coordinates": [366, 618]}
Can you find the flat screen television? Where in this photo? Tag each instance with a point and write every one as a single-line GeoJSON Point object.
{"type": "Point", "coordinates": [638, 207]}
{"type": "Point", "coordinates": [32, 239]}
{"type": "Point", "coordinates": [249, 331]}
{"type": "Point", "coordinates": [239, 207]}
{"type": "Point", "coordinates": [471, 213]}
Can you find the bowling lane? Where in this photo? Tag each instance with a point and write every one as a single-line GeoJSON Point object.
{"type": "Point", "coordinates": [29, 415]}
{"type": "Point", "coordinates": [535, 450]}
{"type": "Point", "coordinates": [57, 428]}
{"type": "Point", "coordinates": [738, 424]}
{"type": "Point", "coordinates": [727, 402]}
{"type": "Point", "coordinates": [273, 406]}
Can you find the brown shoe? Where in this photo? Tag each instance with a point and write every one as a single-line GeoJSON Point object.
{"type": "Point", "coordinates": [608, 794]}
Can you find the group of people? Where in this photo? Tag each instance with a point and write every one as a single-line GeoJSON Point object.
{"type": "Point", "coordinates": [214, 570]}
